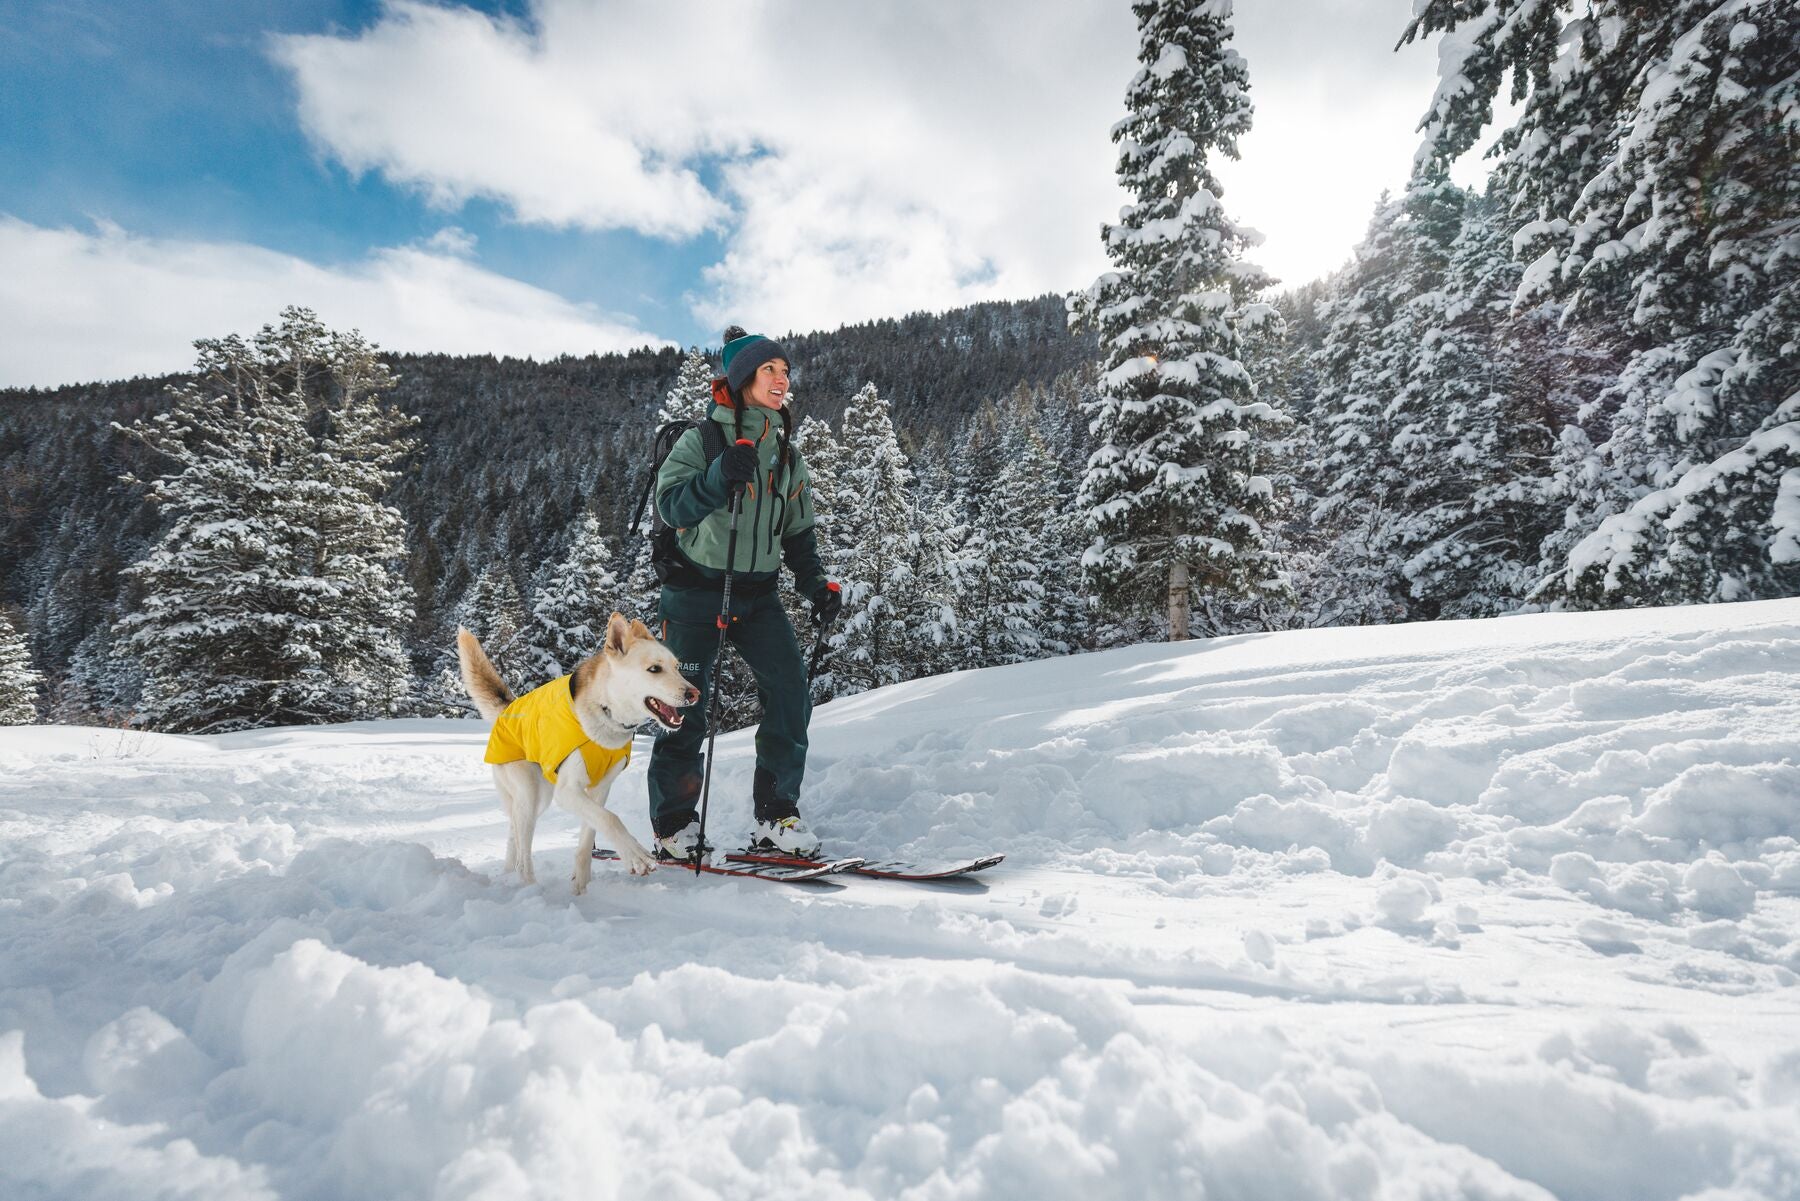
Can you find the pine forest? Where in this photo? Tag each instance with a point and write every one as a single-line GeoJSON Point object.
{"type": "Point", "coordinates": [1576, 387]}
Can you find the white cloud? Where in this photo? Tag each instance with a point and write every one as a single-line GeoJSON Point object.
{"type": "Point", "coordinates": [107, 304]}
{"type": "Point", "coordinates": [452, 240]}
{"type": "Point", "coordinates": [873, 158]}
{"type": "Point", "coordinates": [463, 105]}
{"type": "Point", "coordinates": [863, 160]}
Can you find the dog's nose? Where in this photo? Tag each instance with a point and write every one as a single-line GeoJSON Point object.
{"type": "Point", "coordinates": [693, 695]}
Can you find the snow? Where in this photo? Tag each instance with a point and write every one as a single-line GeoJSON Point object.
{"type": "Point", "coordinates": [1500, 909]}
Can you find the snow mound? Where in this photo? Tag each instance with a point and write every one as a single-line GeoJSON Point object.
{"type": "Point", "coordinates": [1504, 909]}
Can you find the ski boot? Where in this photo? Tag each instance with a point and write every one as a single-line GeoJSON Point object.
{"type": "Point", "coordinates": [785, 835]}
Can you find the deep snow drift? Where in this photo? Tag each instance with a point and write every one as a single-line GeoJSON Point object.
{"type": "Point", "coordinates": [1501, 909]}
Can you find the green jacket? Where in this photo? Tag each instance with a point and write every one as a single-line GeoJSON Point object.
{"type": "Point", "coordinates": [775, 524]}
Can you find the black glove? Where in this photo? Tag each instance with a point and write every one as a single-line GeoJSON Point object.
{"type": "Point", "coordinates": [827, 603]}
{"type": "Point", "coordinates": [738, 464]}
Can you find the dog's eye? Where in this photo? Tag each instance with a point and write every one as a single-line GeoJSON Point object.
{"type": "Point", "coordinates": [655, 667]}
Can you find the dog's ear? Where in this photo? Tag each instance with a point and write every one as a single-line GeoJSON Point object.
{"type": "Point", "coordinates": [640, 630]}
{"type": "Point", "coordinates": [617, 634]}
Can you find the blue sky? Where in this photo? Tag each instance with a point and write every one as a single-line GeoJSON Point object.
{"type": "Point", "coordinates": [562, 176]}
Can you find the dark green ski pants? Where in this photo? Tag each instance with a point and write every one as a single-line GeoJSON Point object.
{"type": "Point", "coordinates": [762, 634]}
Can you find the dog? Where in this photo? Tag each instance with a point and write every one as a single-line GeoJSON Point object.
{"type": "Point", "coordinates": [584, 721]}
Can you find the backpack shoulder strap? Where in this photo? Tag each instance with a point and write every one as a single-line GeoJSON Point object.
{"type": "Point", "coordinates": [666, 437]}
{"type": "Point", "coordinates": [712, 438]}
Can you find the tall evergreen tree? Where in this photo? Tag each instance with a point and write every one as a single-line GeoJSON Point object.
{"type": "Point", "coordinates": [815, 443]}
{"type": "Point", "coordinates": [937, 575]}
{"type": "Point", "coordinates": [360, 442]}
{"type": "Point", "coordinates": [569, 610]}
{"type": "Point", "coordinates": [495, 613]}
{"type": "Point", "coordinates": [19, 681]}
{"type": "Point", "coordinates": [691, 397]}
{"type": "Point", "coordinates": [1360, 483]}
{"type": "Point", "coordinates": [824, 457]}
{"type": "Point", "coordinates": [871, 549]}
{"type": "Point", "coordinates": [1494, 401]}
{"type": "Point", "coordinates": [272, 597]}
{"type": "Point", "coordinates": [1173, 494]}
{"type": "Point", "coordinates": [983, 550]}
{"type": "Point", "coordinates": [1654, 170]}
{"type": "Point", "coordinates": [1028, 609]}
{"type": "Point", "coordinates": [1420, 408]}
{"type": "Point", "coordinates": [101, 687]}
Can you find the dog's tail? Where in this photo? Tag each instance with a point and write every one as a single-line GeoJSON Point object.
{"type": "Point", "coordinates": [479, 677]}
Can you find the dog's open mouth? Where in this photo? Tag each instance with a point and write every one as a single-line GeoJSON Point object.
{"type": "Point", "coordinates": [666, 714]}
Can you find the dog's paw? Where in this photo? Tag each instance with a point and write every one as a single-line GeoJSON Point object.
{"type": "Point", "coordinates": [639, 860]}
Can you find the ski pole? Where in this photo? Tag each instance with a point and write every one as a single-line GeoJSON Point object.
{"type": "Point", "coordinates": [819, 649]}
{"type": "Point", "coordinates": [712, 702]}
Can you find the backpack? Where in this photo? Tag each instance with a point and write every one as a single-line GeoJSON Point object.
{"type": "Point", "coordinates": [665, 556]}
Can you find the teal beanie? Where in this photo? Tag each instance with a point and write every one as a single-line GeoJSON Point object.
{"type": "Point", "coordinates": [743, 355]}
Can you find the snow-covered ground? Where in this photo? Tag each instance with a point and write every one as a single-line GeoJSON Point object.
{"type": "Point", "coordinates": [1500, 909]}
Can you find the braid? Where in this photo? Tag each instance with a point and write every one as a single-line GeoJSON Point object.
{"type": "Point", "coordinates": [732, 334]}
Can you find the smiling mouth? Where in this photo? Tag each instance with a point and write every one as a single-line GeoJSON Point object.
{"type": "Point", "coordinates": [663, 713]}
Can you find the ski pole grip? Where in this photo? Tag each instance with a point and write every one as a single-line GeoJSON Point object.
{"type": "Point", "coordinates": [737, 486]}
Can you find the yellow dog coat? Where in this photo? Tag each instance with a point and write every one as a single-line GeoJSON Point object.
{"type": "Point", "coordinates": [541, 726]}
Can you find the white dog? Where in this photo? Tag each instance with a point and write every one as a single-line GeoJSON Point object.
{"type": "Point", "coordinates": [569, 739]}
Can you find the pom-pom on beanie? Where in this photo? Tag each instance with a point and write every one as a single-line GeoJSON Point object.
{"type": "Point", "coordinates": [744, 353]}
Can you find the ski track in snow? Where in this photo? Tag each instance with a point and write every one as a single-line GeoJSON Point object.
{"type": "Point", "coordinates": [1499, 909]}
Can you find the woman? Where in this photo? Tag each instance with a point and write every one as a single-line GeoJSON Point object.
{"type": "Point", "coordinates": [775, 524]}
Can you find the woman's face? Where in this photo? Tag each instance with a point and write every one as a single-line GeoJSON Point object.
{"type": "Point", "coordinates": [768, 388]}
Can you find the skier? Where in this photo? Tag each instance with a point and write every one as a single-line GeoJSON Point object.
{"type": "Point", "coordinates": [775, 524]}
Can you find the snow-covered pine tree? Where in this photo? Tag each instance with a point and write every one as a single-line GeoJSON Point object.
{"type": "Point", "coordinates": [875, 521]}
{"type": "Point", "coordinates": [980, 459]}
{"type": "Point", "coordinates": [824, 456]}
{"type": "Point", "coordinates": [19, 681]}
{"type": "Point", "coordinates": [1653, 170]}
{"type": "Point", "coordinates": [642, 591]}
{"type": "Point", "coordinates": [570, 609]}
{"type": "Point", "coordinates": [1282, 361]}
{"type": "Point", "coordinates": [936, 573]}
{"type": "Point", "coordinates": [814, 442]}
{"type": "Point", "coordinates": [981, 454]}
{"type": "Point", "coordinates": [255, 605]}
{"type": "Point", "coordinates": [1032, 607]}
{"type": "Point", "coordinates": [1493, 400]}
{"type": "Point", "coordinates": [1424, 472]}
{"type": "Point", "coordinates": [1173, 494]}
{"type": "Point", "coordinates": [361, 538]}
{"type": "Point", "coordinates": [1359, 481]}
{"type": "Point", "coordinates": [1065, 621]}
{"type": "Point", "coordinates": [101, 687]}
{"type": "Point", "coordinates": [495, 613]}
{"type": "Point", "coordinates": [690, 399]}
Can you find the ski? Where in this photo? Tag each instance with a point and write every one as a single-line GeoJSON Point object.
{"type": "Point", "coordinates": [794, 872]}
{"type": "Point", "coordinates": [881, 869]}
